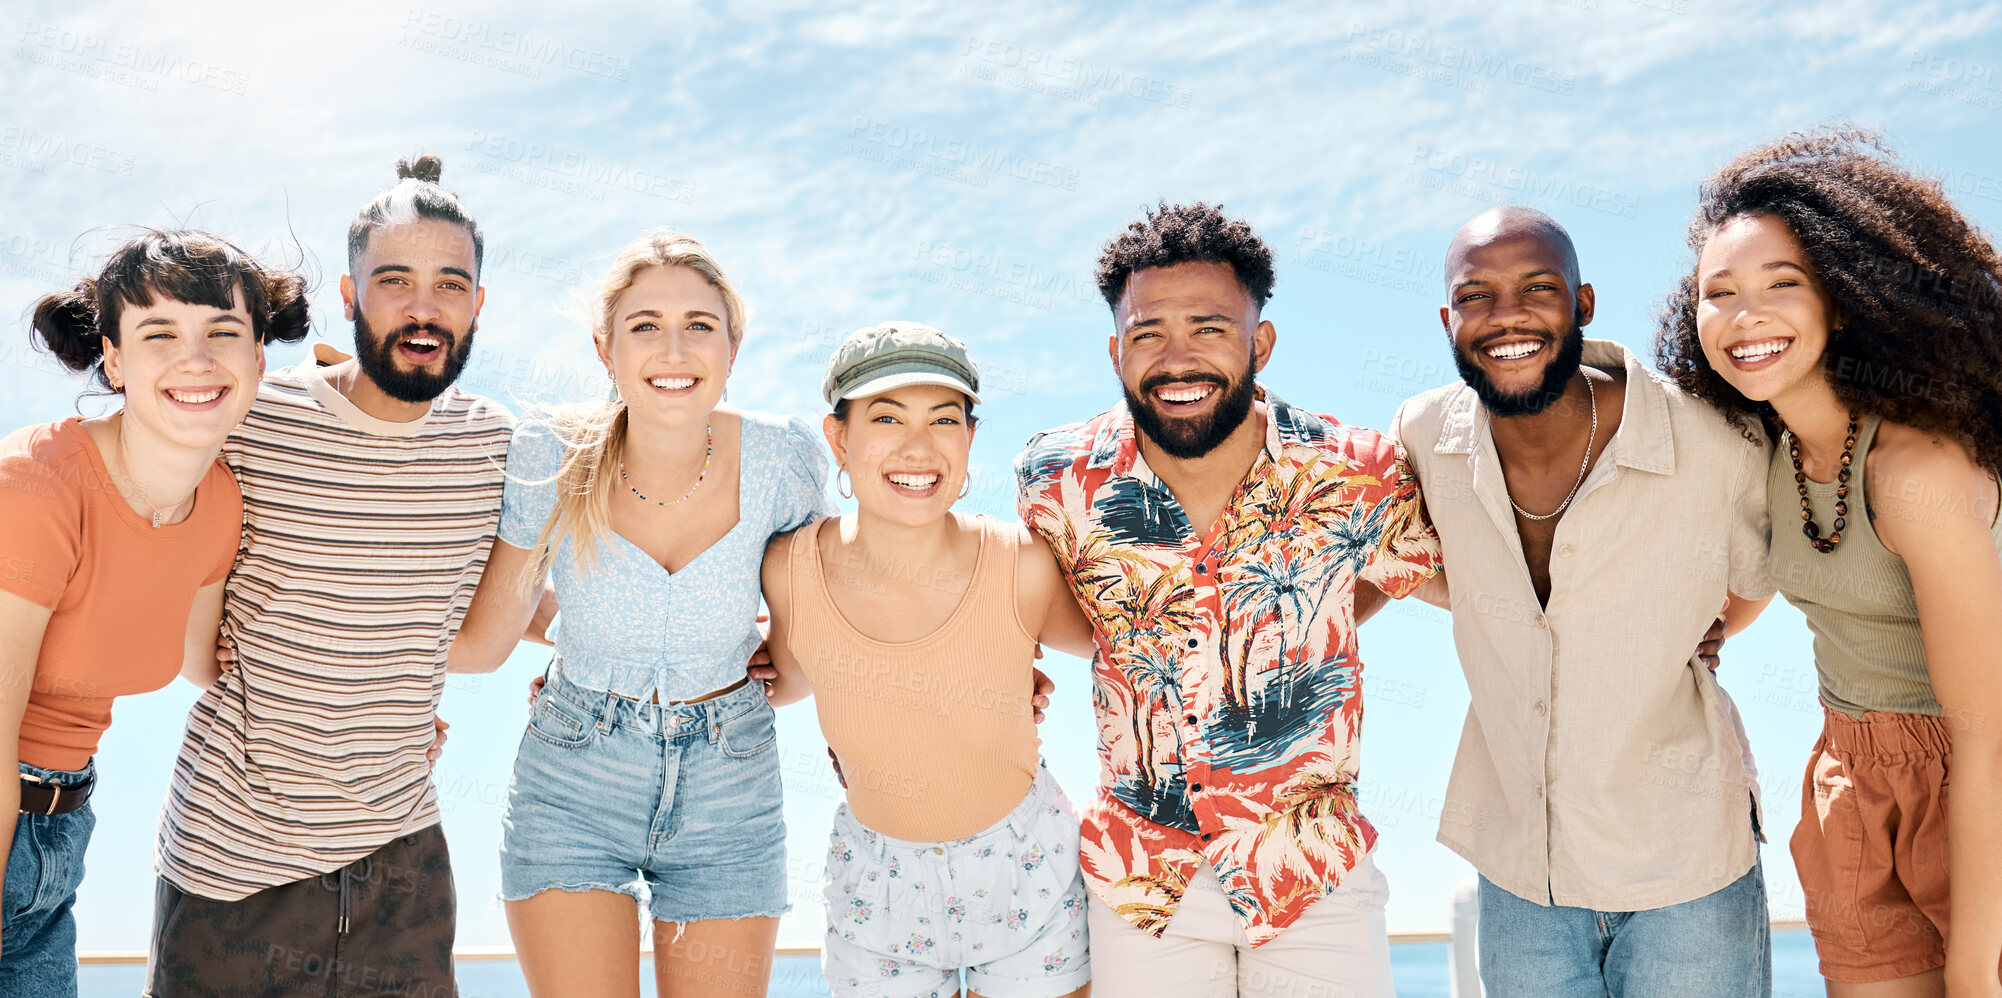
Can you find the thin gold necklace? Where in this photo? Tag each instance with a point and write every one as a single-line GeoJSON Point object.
{"type": "Point", "coordinates": [125, 453]}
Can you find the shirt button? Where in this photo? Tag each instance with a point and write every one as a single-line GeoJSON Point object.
{"type": "Point", "coordinates": [1193, 643]}
{"type": "Point", "coordinates": [1564, 551]}
{"type": "Point", "coordinates": [1191, 719]}
{"type": "Point", "coordinates": [1202, 570]}
{"type": "Point", "coordinates": [1541, 623]}
{"type": "Point", "coordinates": [1195, 788]}
{"type": "Point", "coordinates": [939, 850]}
{"type": "Point", "coordinates": [1539, 791]}
{"type": "Point", "coordinates": [1206, 836]}
{"type": "Point", "coordinates": [1539, 708]}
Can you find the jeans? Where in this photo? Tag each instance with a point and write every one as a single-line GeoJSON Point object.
{"type": "Point", "coordinates": [37, 919]}
{"type": "Point", "coordinates": [1717, 946]}
{"type": "Point", "coordinates": [681, 799]}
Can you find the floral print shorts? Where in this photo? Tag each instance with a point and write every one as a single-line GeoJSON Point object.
{"type": "Point", "coordinates": [1007, 905]}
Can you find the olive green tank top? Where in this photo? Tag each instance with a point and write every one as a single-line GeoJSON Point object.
{"type": "Point", "coordinates": [1858, 598]}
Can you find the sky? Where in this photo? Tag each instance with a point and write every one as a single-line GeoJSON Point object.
{"type": "Point", "coordinates": [852, 163]}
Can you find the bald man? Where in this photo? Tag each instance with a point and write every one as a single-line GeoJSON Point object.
{"type": "Point", "coordinates": [1596, 525]}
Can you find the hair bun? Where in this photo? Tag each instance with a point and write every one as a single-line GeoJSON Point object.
{"type": "Point", "coordinates": [67, 324]}
{"type": "Point", "coordinates": [427, 168]}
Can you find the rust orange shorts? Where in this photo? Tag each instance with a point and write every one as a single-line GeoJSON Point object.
{"type": "Point", "coordinates": [1871, 845]}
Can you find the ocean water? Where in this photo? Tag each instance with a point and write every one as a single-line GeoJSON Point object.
{"type": "Point", "coordinates": [1420, 969]}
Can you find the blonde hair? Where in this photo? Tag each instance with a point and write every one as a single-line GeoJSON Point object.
{"type": "Point", "coordinates": [594, 433]}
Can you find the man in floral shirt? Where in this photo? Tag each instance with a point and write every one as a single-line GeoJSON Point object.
{"type": "Point", "coordinates": [1222, 542]}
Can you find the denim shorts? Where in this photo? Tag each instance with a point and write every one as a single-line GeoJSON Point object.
{"type": "Point", "coordinates": [610, 794]}
{"type": "Point", "coordinates": [37, 919]}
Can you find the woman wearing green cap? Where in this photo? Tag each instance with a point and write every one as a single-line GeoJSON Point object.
{"type": "Point", "coordinates": [915, 630]}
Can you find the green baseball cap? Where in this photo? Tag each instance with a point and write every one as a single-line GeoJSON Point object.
{"type": "Point", "coordinates": [876, 359]}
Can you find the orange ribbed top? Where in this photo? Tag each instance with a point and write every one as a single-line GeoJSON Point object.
{"type": "Point", "coordinates": [936, 736]}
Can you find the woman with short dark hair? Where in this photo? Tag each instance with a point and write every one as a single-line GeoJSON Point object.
{"type": "Point", "coordinates": [120, 531]}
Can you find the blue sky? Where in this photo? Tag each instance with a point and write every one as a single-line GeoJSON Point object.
{"type": "Point", "coordinates": [930, 161]}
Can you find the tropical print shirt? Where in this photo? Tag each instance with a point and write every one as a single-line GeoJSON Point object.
{"type": "Point", "coordinates": [1227, 685]}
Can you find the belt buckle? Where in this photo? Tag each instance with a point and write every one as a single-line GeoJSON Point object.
{"type": "Point", "coordinates": [55, 792]}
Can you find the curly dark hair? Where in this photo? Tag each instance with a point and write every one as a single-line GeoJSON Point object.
{"type": "Point", "coordinates": [1917, 286]}
{"type": "Point", "coordinates": [1186, 233]}
{"type": "Point", "coordinates": [184, 265]}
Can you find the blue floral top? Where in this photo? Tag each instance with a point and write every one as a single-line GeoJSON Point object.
{"type": "Point", "coordinates": [630, 627]}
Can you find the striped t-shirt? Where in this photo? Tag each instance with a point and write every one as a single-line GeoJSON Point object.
{"type": "Point", "coordinates": [363, 541]}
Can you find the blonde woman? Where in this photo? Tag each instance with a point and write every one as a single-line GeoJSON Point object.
{"type": "Point", "coordinates": [649, 758]}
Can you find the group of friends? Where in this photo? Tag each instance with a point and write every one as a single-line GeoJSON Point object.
{"type": "Point", "coordinates": [316, 547]}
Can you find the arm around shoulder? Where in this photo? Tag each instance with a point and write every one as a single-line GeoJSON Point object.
{"type": "Point", "coordinates": [792, 684]}
{"type": "Point", "coordinates": [1044, 602]}
{"type": "Point", "coordinates": [198, 655]}
{"type": "Point", "coordinates": [806, 474]}
{"type": "Point", "coordinates": [499, 616]}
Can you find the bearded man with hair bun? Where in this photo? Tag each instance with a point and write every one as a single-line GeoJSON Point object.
{"type": "Point", "coordinates": [300, 849]}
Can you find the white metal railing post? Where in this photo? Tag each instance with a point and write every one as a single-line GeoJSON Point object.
{"type": "Point", "coordinates": [1464, 965]}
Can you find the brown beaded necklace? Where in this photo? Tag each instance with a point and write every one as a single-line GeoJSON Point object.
{"type": "Point", "coordinates": [1808, 526]}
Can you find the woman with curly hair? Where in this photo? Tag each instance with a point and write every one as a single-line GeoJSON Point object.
{"type": "Point", "coordinates": [1846, 305]}
{"type": "Point", "coordinates": [120, 531]}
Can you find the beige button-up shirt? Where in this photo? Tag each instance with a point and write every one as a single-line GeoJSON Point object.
{"type": "Point", "coordinates": [1601, 766]}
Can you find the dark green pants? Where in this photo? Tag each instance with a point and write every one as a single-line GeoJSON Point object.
{"type": "Point", "coordinates": [380, 926]}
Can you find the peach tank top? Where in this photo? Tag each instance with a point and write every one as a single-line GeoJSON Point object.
{"type": "Point", "coordinates": [936, 736]}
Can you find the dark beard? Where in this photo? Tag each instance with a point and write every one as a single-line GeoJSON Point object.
{"type": "Point", "coordinates": [377, 356]}
{"type": "Point", "coordinates": [1188, 438]}
{"type": "Point", "coordinates": [1556, 375]}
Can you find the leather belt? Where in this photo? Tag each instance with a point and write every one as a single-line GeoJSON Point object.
{"type": "Point", "coordinates": [656, 701]}
{"type": "Point", "coordinates": [39, 796]}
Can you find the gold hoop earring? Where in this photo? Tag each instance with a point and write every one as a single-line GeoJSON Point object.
{"type": "Point", "coordinates": [965, 484]}
{"type": "Point", "coordinates": [841, 484]}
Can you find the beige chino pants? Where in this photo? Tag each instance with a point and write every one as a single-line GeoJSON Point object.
{"type": "Point", "coordinates": [1338, 949]}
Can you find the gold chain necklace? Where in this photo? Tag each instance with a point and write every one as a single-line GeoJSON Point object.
{"type": "Point", "coordinates": [1583, 466]}
{"type": "Point", "coordinates": [125, 453]}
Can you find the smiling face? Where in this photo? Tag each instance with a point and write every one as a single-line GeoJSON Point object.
{"type": "Point", "coordinates": [415, 302]}
{"type": "Point", "coordinates": [1514, 317]}
{"type": "Point", "coordinates": [189, 372]}
{"type": "Point", "coordinates": [1188, 346]}
{"type": "Point", "coordinates": [1761, 315]}
{"type": "Point", "coordinates": [669, 348]}
{"type": "Point", "coordinates": [906, 451]}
